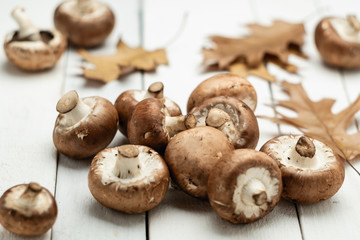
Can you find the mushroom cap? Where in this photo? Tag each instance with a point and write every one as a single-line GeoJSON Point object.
{"type": "Point", "coordinates": [35, 55]}
{"type": "Point", "coordinates": [228, 181]}
{"type": "Point", "coordinates": [305, 180]}
{"type": "Point", "coordinates": [191, 154]}
{"type": "Point", "coordinates": [131, 195]}
{"type": "Point", "coordinates": [126, 102]}
{"type": "Point", "coordinates": [24, 220]}
{"type": "Point", "coordinates": [84, 29]}
{"type": "Point", "coordinates": [333, 49]}
{"type": "Point", "coordinates": [246, 134]}
{"type": "Point", "coordinates": [90, 135]}
{"type": "Point", "coordinates": [225, 84]}
{"type": "Point", "coordinates": [146, 125]}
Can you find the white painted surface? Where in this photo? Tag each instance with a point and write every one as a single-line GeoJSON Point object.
{"type": "Point", "coordinates": [27, 105]}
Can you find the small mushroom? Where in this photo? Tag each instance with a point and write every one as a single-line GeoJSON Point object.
{"type": "Point", "coordinates": [225, 84]}
{"type": "Point", "coordinates": [244, 186]}
{"type": "Point", "coordinates": [129, 178]}
{"type": "Point", "coordinates": [150, 126]}
{"type": "Point", "coordinates": [32, 49]}
{"type": "Point", "coordinates": [338, 41]}
{"type": "Point", "coordinates": [28, 210]}
{"type": "Point", "coordinates": [86, 23]}
{"type": "Point", "coordinates": [84, 126]}
{"type": "Point", "coordinates": [231, 116]}
{"type": "Point", "coordinates": [192, 154]}
{"type": "Point", "coordinates": [311, 172]}
{"type": "Point", "coordinates": [127, 101]}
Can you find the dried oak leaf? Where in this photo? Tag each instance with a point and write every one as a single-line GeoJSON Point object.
{"type": "Point", "coordinates": [125, 60]}
{"type": "Point", "coordinates": [247, 55]}
{"type": "Point", "coordinates": [316, 120]}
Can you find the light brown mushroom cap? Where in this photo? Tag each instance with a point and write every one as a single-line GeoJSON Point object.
{"type": "Point", "coordinates": [94, 127]}
{"type": "Point", "coordinates": [244, 186]}
{"type": "Point", "coordinates": [231, 116]}
{"type": "Point", "coordinates": [129, 180]}
{"type": "Point", "coordinates": [338, 42]}
{"type": "Point", "coordinates": [27, 210]}
{"type": "Point", "coordinates": [85, 26]}
{"type": "Point", "coordinates": [191, 155]}
{"type": "Point", "coordinates": [306, 180]}
{"type": "Point", "coordinates": [225, 84]}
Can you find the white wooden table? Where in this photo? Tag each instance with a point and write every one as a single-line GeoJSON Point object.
{"type": "Point", "coordinates": [27, 117]}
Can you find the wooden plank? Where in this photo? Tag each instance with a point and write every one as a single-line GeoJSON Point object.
{"type": "Point", "coordinates": [80, 215]}
{"type": "Point", "coordinates": [26, 104]}
{"type": "Point", "coordinates": [186, 217]}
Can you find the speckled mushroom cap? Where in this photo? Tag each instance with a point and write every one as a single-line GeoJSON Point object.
{"type": "Point", "coordinates": [191, 155]}
{"type": "Point", "coordinates": [35, 55]}
{"type": "Point", "coordinates": [27, 210]}
{"type": "Point", "coordinates": [338, 42]}
{"type": "Point", "coordinates": [231, 116]}
{"type": "Point", "coordinates": [244, 186]}
{"type": "Point", "coordinates": [128, 182]}
{"type": "Point", "coordinates": [307, 179]}
{"type": "Point", "coordinates": [225, 84]}
{"type": "Point", "coordinates": [86, 26]}
{"type": "Point", "coordinates": [94, 128]}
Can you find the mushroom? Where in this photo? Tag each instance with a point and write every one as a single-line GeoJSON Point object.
{"type": "Point", "coordinates": [86, 23]}
{"type": "Point", "coordinates": [225, 84]}
{"type": "Point", "coordinates": [27, 210]}
{"type": "Point", "coordinates": [32, 49]}
{"type": "Point", "coordinates": [127, 101]}
{"type": "Point", "coordinates": [150, 126]}
{"type": "Point", "coordinates": [338, 41]}
{"type": "Point", "coordinates": [129, 178]}
{"type": "Point", "coordinates": [244, 186]}
{"type": "Point", "coordinates": [311, 172]}
{"type": "Point", "coordinates": [231, 116]}
{"type": "Point", "coordinates": [84, 126]}
{"type": "Point", "coordinates": [192, 154]}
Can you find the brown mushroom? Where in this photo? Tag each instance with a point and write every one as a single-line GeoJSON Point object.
{"type": "Point", "coordinates": [311, 172]}
{"type": "Point", "coordinates": [127, 101]}
{"type": "Point", "coordinates": [129, 178]}
{"type": "Point", "coordinates": [149, 125]}
{"type": "Point", "coordinates": [32, 49]}
{"type": "Point", "coordinates": [225, 84]}
{"type": "Point", "coordinates": [86, 23]}
{"type": "Point", "coordinates": [192, 154]}
{"type": "Point", "coordinates": [84, 126]}
{"type": "Point", "coordinates": [231, 116]}
{"type": "Point", "coordinates": [27, 210]}
{"type": "Point", "coordinates": [244, 186]}
{"type": "Point", "coordinates": [338, 41]}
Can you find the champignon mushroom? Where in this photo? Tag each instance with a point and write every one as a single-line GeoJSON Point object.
{"type": "Point", "coordinates": [338, 41]}
{"type": "Point", "coordinates": [149, 125]}
{"type": "Point", "coordinates": [127, 101]}
{"type": "Point", "coordinates": [84, 126]}
{"type": "Point", "coordinates": [244, 186]}
{"type": "Point", "coordinates": [192, 154]}
{"type": "Point", "coordinates": [129, 178]}
{"type": "Point", "coordinates": [310, 170]}
{"type": "Point", "coordinates": [86, 23]}
{"type": "Point", "coordinates": [28, 210]}
{"type": "Point", "coordinates": [231, 116]}
{"type": "Point", "coordinates": [225, 84]}
{"type": "Point", "coordinates": [32, 49]}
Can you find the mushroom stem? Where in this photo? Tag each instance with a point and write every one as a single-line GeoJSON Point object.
{"type": "Point", "coordinates": [354, 22]}
{"type": "Point", "coordinates": [26, 29]}
{"type": "Point", "coordinates": [127, 163]}
{"type": "Point", "coordinates": [221, 120]}
{"type": "Point", "coordinates": [305, 147]}
{"type": "Point", "coordinates": [254, 192]}
{"type": "Point", "coordinates": [27, 198]}
{"type": "Point", "coordinates": [155, 90]}
{"type": "Point", "coordinates": [177, 124]}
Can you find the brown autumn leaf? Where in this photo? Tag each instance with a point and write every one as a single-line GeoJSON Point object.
{"type": "Point", "coordinates": [316, 120]}
{"type": "Point", "coordinates": [248, 55]}
{"type": "Point", "coordinates": [125, 60]}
